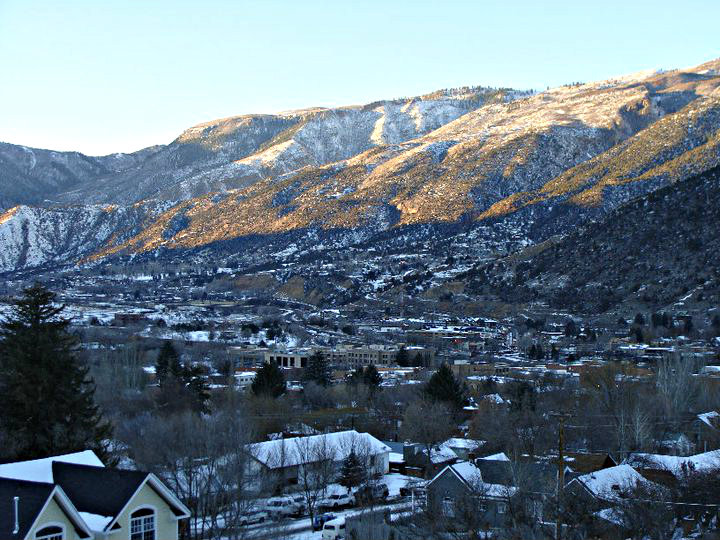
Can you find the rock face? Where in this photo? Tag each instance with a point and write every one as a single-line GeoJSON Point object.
{"type": "Point", "coordinates": [541, 162]}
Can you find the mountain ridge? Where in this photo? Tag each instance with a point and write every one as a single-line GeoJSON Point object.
{"type": "Point", "coordinates": [470, 155]}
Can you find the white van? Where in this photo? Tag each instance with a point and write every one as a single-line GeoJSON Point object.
{"type": "Point", "coordinates": [334, 529]}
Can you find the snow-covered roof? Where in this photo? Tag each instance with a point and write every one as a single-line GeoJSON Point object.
{"type": "Point", "coordinates": [40, 470]}
{"type": "Point", "coordinates": [699, 462]}
{"type": "Point", "coordinates": [470, 474]}
{"type": "Point", "coordinates": [609, 483]}
{"type": "Point", "coordinates": [457, 442]}
{"type": "Point", "coordinates": [711, 418]}
{"type": "Point", "coordinates": [96, 522]}
{"type": "Point", "coordinates": [496, 457]}
{"type": "Point", "coordinates": [297, 450]}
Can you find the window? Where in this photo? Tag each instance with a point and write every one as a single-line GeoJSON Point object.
{"type": "Point", "coordinates": [142, 524]}
{"type": "Point", "coordinates": [448, 506]}
{"type": "Point", "coordinates": [501, 508]}
{"type": "Point", "coordinates": [52, 532]}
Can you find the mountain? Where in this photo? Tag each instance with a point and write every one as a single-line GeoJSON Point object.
{"type": "Point", "coordinates": [232, 152]}
{"type": "Point", "coordinates": [653, 252]}
{"type": "Point", "coordinates": [34, 176]}
{"type": "Point", "coordinates": [465, 162]}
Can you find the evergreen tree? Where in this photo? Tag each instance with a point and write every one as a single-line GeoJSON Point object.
{"type": "Point", "coordinates": [554, 353]}
{"type": "Point", "coordinates": [351, 474]}
{"type": "Point", "coordinates": [371, 377]}
{"type": "Point", "coordinates": [317, 369]}
{"type": "Point", "coordinates": [269, 381]}
{"type": "Point", "coordinates": [444, 386]}
{"type": "Point", "coordinates": [46, 397]}
{"type": "Point", "coordinates": [167, 360]}
{"type": "Point", "coordinates": [570, 328]}
{"type": "Point", "coordinates": [194, 380]}
{"type": "Point", "coordinates": [402, 358]}
{"type": "Point", "coordinates": [639, 319]}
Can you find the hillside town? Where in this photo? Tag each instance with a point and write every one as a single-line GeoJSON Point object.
{"type": "Point", "coordinates": [289, 421]}
{"type": "Point", "coordinates": [315, 270]}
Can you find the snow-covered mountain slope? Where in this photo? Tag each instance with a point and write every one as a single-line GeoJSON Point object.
{"type": "Point", "coordinates": [35, 236]}
{"type": "Point", "coordinates": [481, 164]}
{"type": "Point", "coordinates": [236, 152]}
{"type": "Point", "coordinates": [542, 163]}
{"type": "Point", "coordinates": [34, 176]}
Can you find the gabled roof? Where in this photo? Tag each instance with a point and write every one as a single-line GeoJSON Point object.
{"type": "Point", "coordinates": [609, 484]}
{"type": "Point", "coordinates": [297, 450]}
{"type": "Point", "coordinates": [33, 498]}
{"type": "Point", "coordinates": [496, 471]}
{"type": "Point", "coordinates": [711, 419]}
{"type": "Point", "coordinates": [40, 470]}
{"type": "Point", "coordinates": [473, 479]}
{"type": "Point", "coordinates": [586, 463]}
{"type": "Point", "coordinates": [97, 490]}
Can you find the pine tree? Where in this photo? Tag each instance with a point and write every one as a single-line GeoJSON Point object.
{"type": "Point", "coordinates": [194, 380]}
{"type": "Point", "coordinates": [351, 473]}
{"type": "Point", "coordinates": [444, 386]}
{"type": "Point", "coordinates": [269, 381]}
{"type": "Point", "coordinates": [46, 396]}
{"type": "Point", "coordinates": [317, 369]}
{"type": "Point", "coordinates": [168, 362]}
{"type": "Point", "coordinates": [402, 358]}
{"type": "Point", "coordinates": [371, 377]}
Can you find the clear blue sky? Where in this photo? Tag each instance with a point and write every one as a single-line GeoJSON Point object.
{"type": "Point", "coordinates": [103, 76]}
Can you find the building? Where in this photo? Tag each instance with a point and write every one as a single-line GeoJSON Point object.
{"type": "Point", "coordinates": [74, 496]}
{"type": "Point", "coordinates": [463, 484]}
{"type": "Point", "coordinates": [706, 431]}
{"type": "Point", "coordinates": [283, 462]}
{"type": "Point", "coordinates": [244, 379]}
{"type": "Point", "coordinates": [289, 359]}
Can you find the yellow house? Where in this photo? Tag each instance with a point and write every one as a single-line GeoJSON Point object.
{"type": "Point", "coordinates": [86, 500]}
{"type": "Point", "coordinates": [36, 510]}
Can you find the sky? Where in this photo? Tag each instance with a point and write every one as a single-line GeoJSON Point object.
{"type": "Point", "coordinates": [104, 76]}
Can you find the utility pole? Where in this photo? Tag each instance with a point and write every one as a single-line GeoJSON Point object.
{"type": "Point", "coordinates": [561, 417]}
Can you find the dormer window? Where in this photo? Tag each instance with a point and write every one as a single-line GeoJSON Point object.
{"type": "Point", "coordinates": [142, 524]}
{"type": "Point", "coordinates": [53, 532]}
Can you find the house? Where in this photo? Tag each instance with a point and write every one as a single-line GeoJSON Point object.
{"type": "Point", "coordinates": [35, 510]}
{"type": "Point", "coordinates": [706, 431]}
{"type": "Point", "coordinates": [282, 462]}
{"type": "Point", "coordinates": [464, 449]}
{"type": "Point", "coordinates": [418, 463]}
{"type": "Point", "coordinates": [584, 463]}
{"type": "Point", "coordinates": [75, 496]}
{"type": "Point", "coordinates": [607, 486]}
{"type": "Point", "coordinates": [463, 484]}
{"type": "Point", "coordinates": [678, 465]}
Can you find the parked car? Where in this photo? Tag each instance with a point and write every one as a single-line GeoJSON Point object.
{"type": "Point", "coordinates": [337, 500]}
{"type": "Point", "coordinates": [253, 516]}
{"type": "Point", "coordinates": [279, 507]}
{"type": "Point", "coordinates": [372, 493]}
{"type": "Point", "coordinates": [320, 520]}
{"type": "Point", "coordinates": [299, 500]}
{"type": "Point", "coordinates": [418, 486]}
{"type": "Point", "coordinates": [334, 529]}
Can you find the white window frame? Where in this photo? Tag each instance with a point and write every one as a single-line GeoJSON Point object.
{"type": "Point", "coordinates": [502, 508]}
{"type": "Point", "coordinates": [154, 516]}
{"type": "Point", "coordinates": [51, 536]}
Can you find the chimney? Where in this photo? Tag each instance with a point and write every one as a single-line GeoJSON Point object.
{"type": "Point", "coordinates": [16, 501]}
